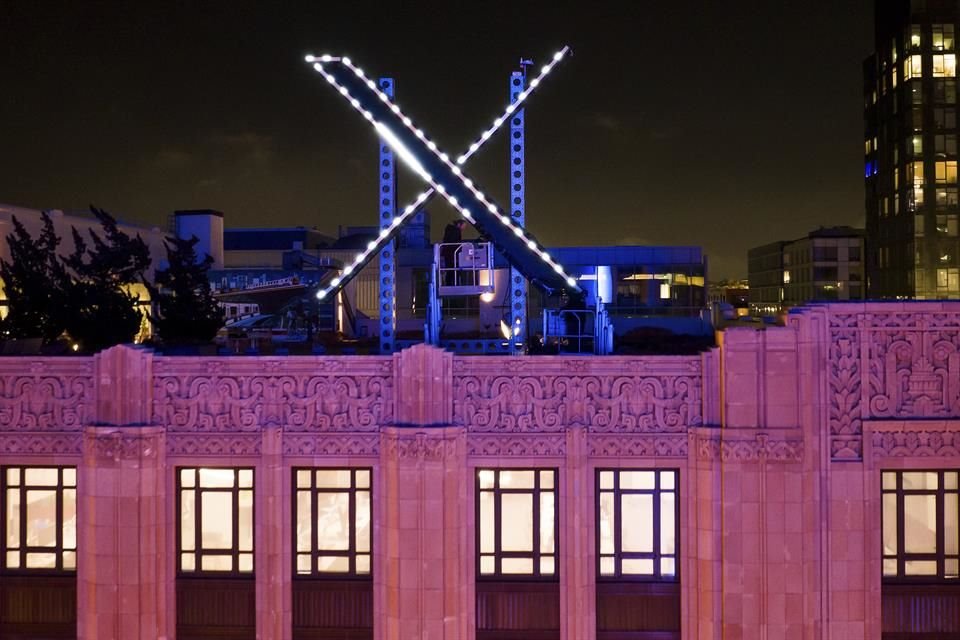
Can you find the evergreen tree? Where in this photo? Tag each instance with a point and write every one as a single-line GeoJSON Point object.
{"type": "Point", "coordinates": [102, 313]}
{"type": "Point", "coordinates": [35, 283]}
{"type": "Point", "coordinates": [186, 311]}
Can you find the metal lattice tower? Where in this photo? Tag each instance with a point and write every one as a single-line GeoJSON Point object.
{"type": "Point", "coordinates": [388, 254]}
{"type": "Point", "coordinates": [517, 285]}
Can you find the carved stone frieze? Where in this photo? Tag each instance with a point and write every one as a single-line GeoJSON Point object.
{"type": "Point", "coordinates": [339, 444]}
{"type": "Point", "coordinates": [641, 446]}
{"type": "Point", "coordinates": [918, 441]}
{"type": "Point", "coordinates": [52, 394]}
{"type": "Point", "coordinates": [520, 445]}
{"type": "Point", "coordinates": [744, 447]}
{"type": "Point", "coordinates": [225, 444]}
{"type": "Point", "coordinates": [549, 394]}
{"type": "Point", "coordinates": [115, 446]}
{"type": "Point", "coordinates": [309, 394]}
{"type": "Point", "coordinates": [49, 443]}
{"type": "Point", "coordinates": [421, 446]}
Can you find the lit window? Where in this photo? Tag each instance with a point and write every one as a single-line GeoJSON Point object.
{"type": "Point", "coordinates": [942, 37]}
{"type": "Point", "coordinates": [947, 225]}
{"type": "Point", "coordinates": [786, 277]}
{"type": "Point", "coordinates": [516, 510]}
{"type": "Point", "coordinates": [637, 521]}
{"type": "Point", "coordinates": [915, 170]}
{"type": "Point", "coordinates": [946, 172]}
{"type": "Point", "coordinates": [893, 79]}
{"type": "Point", "coordinates": [945, 65]}
{"type": "Point", "coordinates": [333, 516]}
{"type": "Point", "coordinates": [39, 527]}
{"type": "Point", "coordinates": [215, 520]}
{"type": "Point", "coordinates": [947, 197]}
{"type": "Point", "coordinates": [912, 67]}
{"type": "Point", "coordinates": [915, 39]}
{"type": "Point", "coordinates": [920, 524]}
{"type": "Point", "coordinates": [916, 148]}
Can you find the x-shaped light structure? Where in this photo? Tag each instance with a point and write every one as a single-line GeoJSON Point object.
{"type": "Point", "coordinates": [443, 175]}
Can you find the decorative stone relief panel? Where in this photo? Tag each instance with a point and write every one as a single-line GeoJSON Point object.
{"type": "Point", "coordinates": [641, 446]}
{"type": "Point", "coordinates": [844, 378]}
{"type": "Point", "coordinates": [226, 444]}
{"type": "Point", "coordinates": [887, 366]}
{"type": "Point", "coordinates": [41, 443]}
{"type": "Point", "coordinates": [346, 444]}
{"type": "Point", "coordinates": [550, 393]}
{"type": "Point", "coordinates": [51, 394]}
{"type": "Point", "coordinates": [421, 446]}
{"type": "Point", "coordinates": [118, 445]}
{"type": "Point", "coordinates": [520, 445]}
{"type": "Point", "coordinates": [915, 440]}
{"type": "Point", "coordinates": [746, 445]}
{"type": "Point", "coordinates": [302, 394]}
{"type": "Point", "coordinates": [914, 366]}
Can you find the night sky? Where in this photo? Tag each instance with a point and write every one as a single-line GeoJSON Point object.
{"type": "Point", "coordinates": [721, 124]}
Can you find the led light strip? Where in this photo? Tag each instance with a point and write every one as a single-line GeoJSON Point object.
{"type": "Point", "coordinates": [401, 150]}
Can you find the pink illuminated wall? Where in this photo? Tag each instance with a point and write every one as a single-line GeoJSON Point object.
{"type": "Point", "coordinates": [779, 436]}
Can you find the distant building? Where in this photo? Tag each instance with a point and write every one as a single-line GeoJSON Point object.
{"type": "Point", "coordinates": [824, 265]}
{"type": "Point", "coordinates": [910, 147]}
{"type": "Point", "coordinates": [765, 278]}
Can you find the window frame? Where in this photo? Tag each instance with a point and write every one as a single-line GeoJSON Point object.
{"type": "Point", "coordinates": [351, 552]}
{"type": "Point", "coordinates": [901, 556]}
{"type": "Point", "coordinates": [58, 549]}
{"type": "Point", "coordinates": [198, 551]}
{"type": "Point", "coordinates": [618, 554]}
{"type": "Point", "coordinates": [498, 553]}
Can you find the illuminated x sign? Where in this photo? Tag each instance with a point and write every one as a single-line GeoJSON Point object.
{"type": "Point", "coordinates": [443, 175]}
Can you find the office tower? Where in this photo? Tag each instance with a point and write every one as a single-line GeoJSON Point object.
{"type": "Point", "coordinates": [910, 141]}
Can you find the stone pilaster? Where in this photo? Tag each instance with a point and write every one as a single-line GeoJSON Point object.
{"type": "Point", "coordinates": [122, 587]}
{"type": "Point", "coordinates": [424, 583]}
{"type": "Point", "coordinates": [273, 594]}
{"type": "Point", "coordinates": [578, 548]}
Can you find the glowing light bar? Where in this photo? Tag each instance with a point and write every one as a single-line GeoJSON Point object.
{"type": "Point", "coordinates": [410, 209]}
{"type": "Point", "coordinates": [402, 151]}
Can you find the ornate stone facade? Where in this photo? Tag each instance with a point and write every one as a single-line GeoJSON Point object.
{"type": "Point", "coordinates": [778, 436]}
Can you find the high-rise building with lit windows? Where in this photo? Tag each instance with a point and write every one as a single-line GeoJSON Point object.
{"type": "Point", "coordinates": [910, 147]}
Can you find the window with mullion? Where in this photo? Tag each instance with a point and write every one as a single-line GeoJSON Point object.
{"type": "Point", "coordinates": [38, 530]}
{"type": "Point", "coordinates": [517, 518]}
{"type": "Point", "coordinates": [921, 525]}
{"type": "Point", "coordinates": [332, 511]}
{"type": "Point", "coordinates": [637, 516]}
{"type": "Point", "coordinates": [215, 509]}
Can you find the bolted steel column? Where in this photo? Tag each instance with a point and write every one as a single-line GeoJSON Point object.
{"type": "Point", "coordinates": [517, 287]}
{"type": "Point", "coordinates": [388, 259]}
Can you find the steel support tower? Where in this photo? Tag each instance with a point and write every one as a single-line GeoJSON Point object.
{"type": "Point", "coordinates": [388, 254]}
{"type": "Point", "coordinates": [517, 285]}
